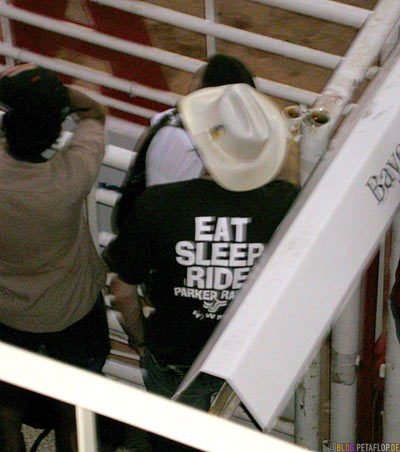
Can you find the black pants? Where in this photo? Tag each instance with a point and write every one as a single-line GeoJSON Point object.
{"type": "Point", "coordinates": [84, 344]}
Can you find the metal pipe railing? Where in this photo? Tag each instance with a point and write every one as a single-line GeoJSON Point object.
{"type": "Point", "coordinates": [362, 53]}
{"type": "Point", "coordinates": [6, 33]}
{"type": "Point", "coordinates": [331, 11]}
{"type": "Point", "coordinates": [90, 75]}
{"type": "Point", "coordinates": [119, 104]}
{"type": "Point", "coordinates": [283, 91]}
{"type": "Point", "coordinates": [101, 78]}
{"type": "Point", "coordinates": [151, 412]}
{"type": "Point", "coordinates": [210, 16]}
{"type": "Point", "coordinates": [225, 32]}
{"type": "Point", "coordinates": [94, 37]}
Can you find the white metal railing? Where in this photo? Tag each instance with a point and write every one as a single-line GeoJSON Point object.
{"type": "Point", "coordinates": [133, 88]}
{"type": "Point", "coordinates": [325, 9]}
{"type": "Point", "coordinates": [133, 406]}
{"type": "Point", "coordinates": [225, 32]}
{"type": "Point", "coordinates": [90, 75]}
{"type": "Point", "coordinates": [363, 52]}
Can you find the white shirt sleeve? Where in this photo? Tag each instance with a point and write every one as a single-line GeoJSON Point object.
{"type": "Point", "coordinates": [171, 157]}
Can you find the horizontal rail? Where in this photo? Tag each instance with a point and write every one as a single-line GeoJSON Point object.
{"type": "Point", "coordinates": [107, 197]}
{"type": "Point", "coordinates": [135, 89]}
{"type": "Point", "coordinates": [225, 32]}
{"type": "Point", "coordinates": [283, 91]}
{"type": "Point", "coordinates": [90, 75]}
{"type": "Point", "coordinates": [115, 156]}
{"type": "Point", "coordinates": [118, 158]}
{"type": "Point", "coordinates": [94, 37]}
{"type": "Point", "coordinates": [119, 104]}
{"type": "Point", "coordinates": [331, 11]}
{"type": "Point", "coordinates": [122, 127]}
{"type": "Point", "coordinates": [130, 405]}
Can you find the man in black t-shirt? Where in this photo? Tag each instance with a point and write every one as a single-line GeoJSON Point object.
{"type": "Point", "coordinates": [198, 240]}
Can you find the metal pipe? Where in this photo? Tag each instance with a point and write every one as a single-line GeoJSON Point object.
{"type": "Point", "coordinates": [152, 412]}
{"type": "Point", "coordinates": [345, 346]}
{"type": "Point", "coordinates": [80, 32]}
{"type": "Point", "coordinates": [293, 116]}
{"type": "Point", "coordinates": [209, 14]}
{"type": "Point", "coordinates": [326, 10]}
{"type": "Point", "coordinates": [225, 32]}
{"type": "Point", "coordinates": [391, 412]}
{"type": "Point", "coordinates": [314, 139]}
{"type": "Point", "coordinates": [107, 197]}
{"type": "Point", "coordinates": [118, 158]}
{"type": "Point", "coordinates": [98, 77]}
{"type": "Point", "coordinates": [115, 157]}
{"type": "Point", "coordinates": [86, 430]}
{"type": "Point", "coordinates": [90, 75]}
{"type": "Point", "coordinates": [123, 371]}
{"type": "Point", "coordinates": [119, 104]}
{"type": "Point", "coordinates": [125, 128]}
{"type": "Point", "coordinates": [283, 91]}
{"type": "Point", "coordinates": [307, 407]}
{"type": "Point", "coordinates": [7, 34]}
{"type": "Point", "coordinates": [363, 51]}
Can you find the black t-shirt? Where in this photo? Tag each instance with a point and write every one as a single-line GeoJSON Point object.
{"type": "Point", "coordinates": [198, 242]}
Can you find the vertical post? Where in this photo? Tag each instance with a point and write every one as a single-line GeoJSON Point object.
{"type": "Point", "coordinates": [314, 132]}
{"type": "Point", "coordinates": [345, 346]}
{"type": "Point", "coordinates": [314, 141]}
{"type": "Point", "coordinates": [291, 170]}
{"type": "Point", "coordinates": [307, 402]}
{"type": "Point", "coordinates": [391, 412]}
{"type": "Point", "coordinates": [7, 34]}
{"type": "Point", "coordinates": [86, 430]}
{"type": "Point", "coordinates": [209, 13]}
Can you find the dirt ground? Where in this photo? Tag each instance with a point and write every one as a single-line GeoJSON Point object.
{"type": "Point", "coordinates": [257, 18]}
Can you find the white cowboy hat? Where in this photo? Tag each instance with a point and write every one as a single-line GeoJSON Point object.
{"type": "Point", "coordinates": [239, 134]}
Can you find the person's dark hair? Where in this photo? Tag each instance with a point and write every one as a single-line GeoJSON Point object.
{"type": "Point", "coordinates": [225, 70]}
{"type": "Point", "coordinates": [36, 103]}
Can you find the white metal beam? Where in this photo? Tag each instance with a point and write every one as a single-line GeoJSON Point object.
{"type": "Point", "coordinates": [325, 9]}
{"type": "Point", "coordinates": [363, 52]}
{"type": "Point", "coordinates": [269, 334]}
{"type": "Point", "coordinates": [135, 89]}
{"type": "Point", "coordinates": [225, 32]}
{"type": "Point", "coordinates": [90, 75]}
{"type": "Point", "coordinates": [130, 405]}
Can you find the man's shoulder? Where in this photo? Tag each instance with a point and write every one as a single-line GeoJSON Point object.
{"type": "Point", "coordinates": [184, 187]}
{"type": "Point", "coordinates": [282, 186]}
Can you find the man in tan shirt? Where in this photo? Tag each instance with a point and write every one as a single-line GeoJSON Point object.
{"type": "Point", "coordinates": [50, 273]}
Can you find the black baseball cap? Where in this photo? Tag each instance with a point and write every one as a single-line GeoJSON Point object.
{"type": "Point", "coordinates": [34, 92]}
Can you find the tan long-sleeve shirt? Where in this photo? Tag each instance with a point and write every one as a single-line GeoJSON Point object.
{"type": "Point", "coordinates": [50, 272]}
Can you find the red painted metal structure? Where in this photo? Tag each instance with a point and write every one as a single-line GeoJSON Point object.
{"type": "Point", "coordinates": [104, 19]}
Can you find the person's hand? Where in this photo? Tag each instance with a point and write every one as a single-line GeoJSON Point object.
{"type": "Point", "coordinates": [85, 106]}
{"type": "Point", "coordinates": [12, 71]}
